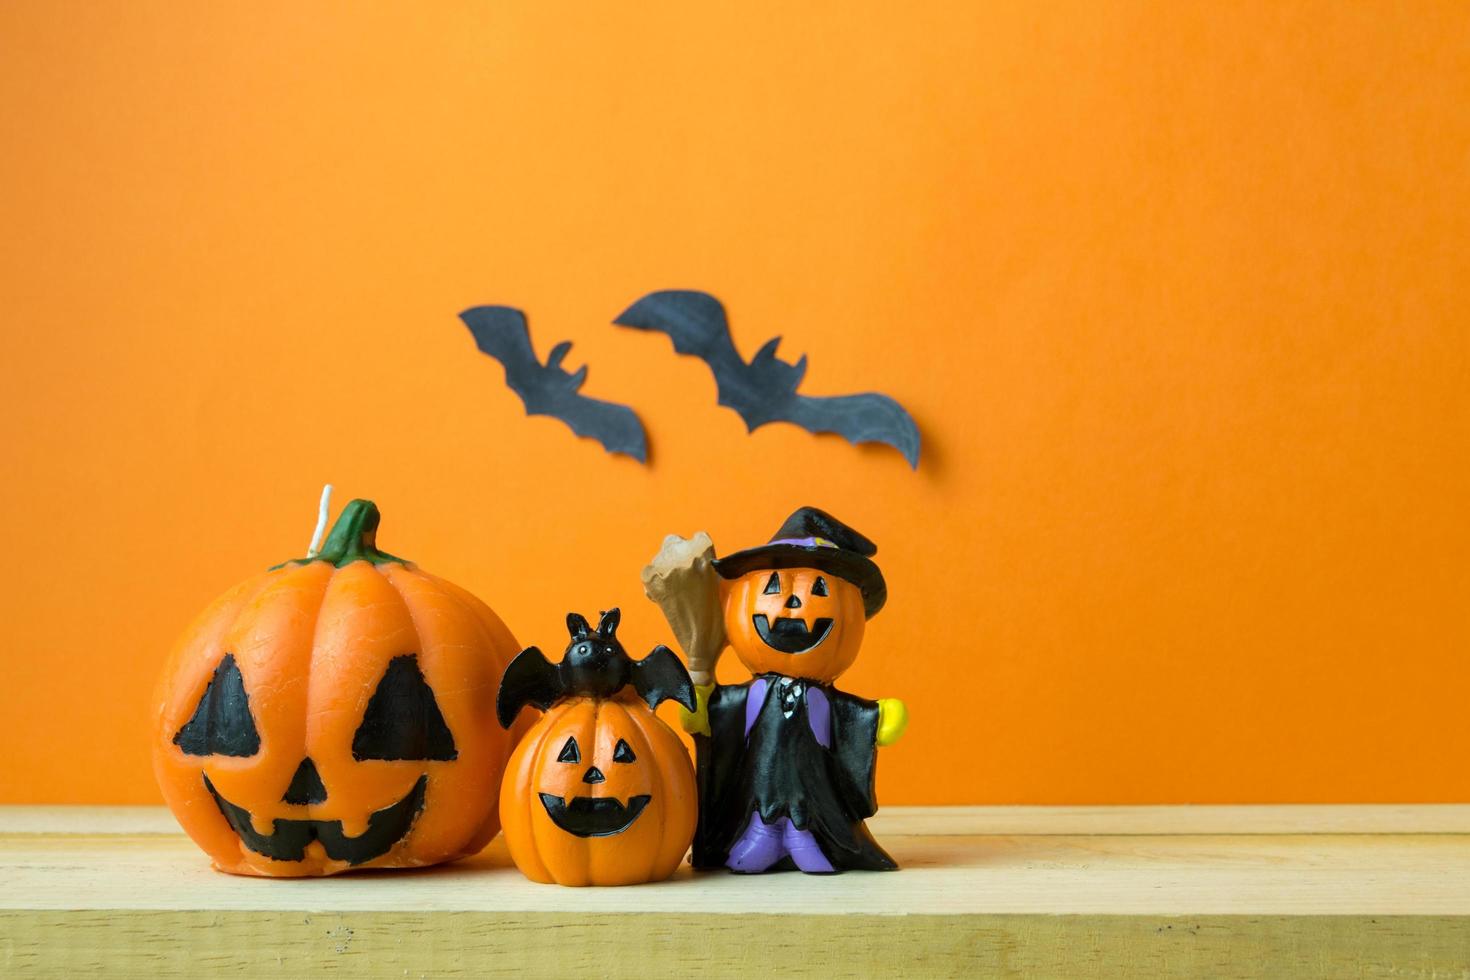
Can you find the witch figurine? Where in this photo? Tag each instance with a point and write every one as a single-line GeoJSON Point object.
{"type": "Point", "coordinates": [785, 761]}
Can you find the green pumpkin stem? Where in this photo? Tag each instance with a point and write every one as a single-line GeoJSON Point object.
{"type": "Point", "coordinates": [353, 538]}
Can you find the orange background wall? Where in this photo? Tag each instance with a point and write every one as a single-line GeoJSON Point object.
{"type": "Point", "coordinates": [1177, 293]}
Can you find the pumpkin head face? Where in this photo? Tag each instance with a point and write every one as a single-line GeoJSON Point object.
{"type": "Point", "coordinates": [800, 622]}
{"type": "Point", "coordinates": [334, 714]}
{"type": "Point", "coordinates": [600, 791]}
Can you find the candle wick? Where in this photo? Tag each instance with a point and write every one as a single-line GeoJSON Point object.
{"type": "Point", "coordinates": [323, 509]}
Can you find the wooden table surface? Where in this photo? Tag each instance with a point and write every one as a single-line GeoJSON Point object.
{"type": "Point", "coordinates": [1313, 891]}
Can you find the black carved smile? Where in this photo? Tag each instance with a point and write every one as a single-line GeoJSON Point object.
{"type": "Point", "coordinates": [288, 839]}
{"type": "Point", "coordinates": [593, 816]}
{"type": "Point", "coordinates": [791, 635]}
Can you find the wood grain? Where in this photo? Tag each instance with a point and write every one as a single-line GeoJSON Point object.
{"type": "Point", "coordinates": [102, 892]}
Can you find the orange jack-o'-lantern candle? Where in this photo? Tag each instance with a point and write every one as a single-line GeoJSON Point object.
{"type": "Point", "coordinates": [600, 791]}
{"type": "Point", "coordinates": [334, 713]}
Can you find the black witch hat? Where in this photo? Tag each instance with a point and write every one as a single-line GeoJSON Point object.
{"type": "Point", "coordinates": [813, 538]}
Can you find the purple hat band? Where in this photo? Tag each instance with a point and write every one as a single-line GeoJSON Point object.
{"type": "Point", "coordinates": [804, 542]}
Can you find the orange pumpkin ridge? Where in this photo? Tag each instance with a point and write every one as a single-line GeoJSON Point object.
{"type": "Point", "coordinates": [329, 691]}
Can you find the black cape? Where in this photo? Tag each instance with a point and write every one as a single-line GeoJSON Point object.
{"type": "Point", "coordinates": [783, 771]}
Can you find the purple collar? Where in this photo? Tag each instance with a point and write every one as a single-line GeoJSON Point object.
{"type": "Point", "coordinates": [818, 708]}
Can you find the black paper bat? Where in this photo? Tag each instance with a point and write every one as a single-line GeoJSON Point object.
{"type": "Point", "coordinates": [764, 390]}
{"type": "Point", "coordinates": [594, 665]}
{"type": "Point", "coordinates": [546, 389]}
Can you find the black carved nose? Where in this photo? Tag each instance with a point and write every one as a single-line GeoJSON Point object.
{"type": "Point", "coordinates": [794, 602]}
{"type": "Point", "coordinates": [306, 786]}
{"type": "Point", "coordinates": [593, 775]}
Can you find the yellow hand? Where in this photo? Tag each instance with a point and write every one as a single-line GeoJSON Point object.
{"type": "Point", "coordinates": [893, 718]}
{"type": "Point", "coordinates": [696, 722]}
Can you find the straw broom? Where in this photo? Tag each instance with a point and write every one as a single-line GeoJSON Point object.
{"type": "Point", "coordinates": [681, 578]}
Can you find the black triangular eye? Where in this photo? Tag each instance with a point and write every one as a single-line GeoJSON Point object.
{"type": "Point", "coordinates": [819, 587]}
{"type": "Point", "coordinates": [621, 753]}
{"type": "Point", "coordinates": [221, 724]}
{"type": "Point", "coordinates": [403, 721]}
{"type": "Point", "coordinates": [570, 752]}
{"type": "Point", "coordinates": [773, 584]}
{"type": "Point", "coordinates": [306, 786]}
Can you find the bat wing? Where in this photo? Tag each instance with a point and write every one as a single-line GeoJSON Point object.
{"type": "Point", "coordinates": [660, 677]}
{"type": "Point", "coordinates": [617, 427]}
{"type": "Point", "coordinates": [697, 325]}
{"type": "Point", "coordinates": [530, 679]}
{"type": "Point", "coordinates": [501, 332]}
{"type": "Point", "coordinates": [868, 417]}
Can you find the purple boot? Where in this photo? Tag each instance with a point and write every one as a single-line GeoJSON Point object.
{"type": "Point", "coordinates": [763, 844]}
{"type": "Point", "coordinates": [758, 848]}
{"type": "Point", "coordinates": [804, 850]}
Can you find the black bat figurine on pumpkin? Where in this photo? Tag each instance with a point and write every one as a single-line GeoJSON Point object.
{"type": "Point", "coordinates": [595, 664]}
{"type": "Point", "coordinates": [547, 389]}
{"type": "Point", "coordinates": [764, 390]}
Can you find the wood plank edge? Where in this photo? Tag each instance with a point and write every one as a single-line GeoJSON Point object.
{"type": "Point", "coordinates": [493, 944]}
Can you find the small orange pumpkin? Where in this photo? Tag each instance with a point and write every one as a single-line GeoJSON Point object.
{"type": "Point", "coordinates": [333, 713]}
{"type": "Point", "coordinates": [600, 791]}
{"type": "Point", "coordinates": [799, 622]}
